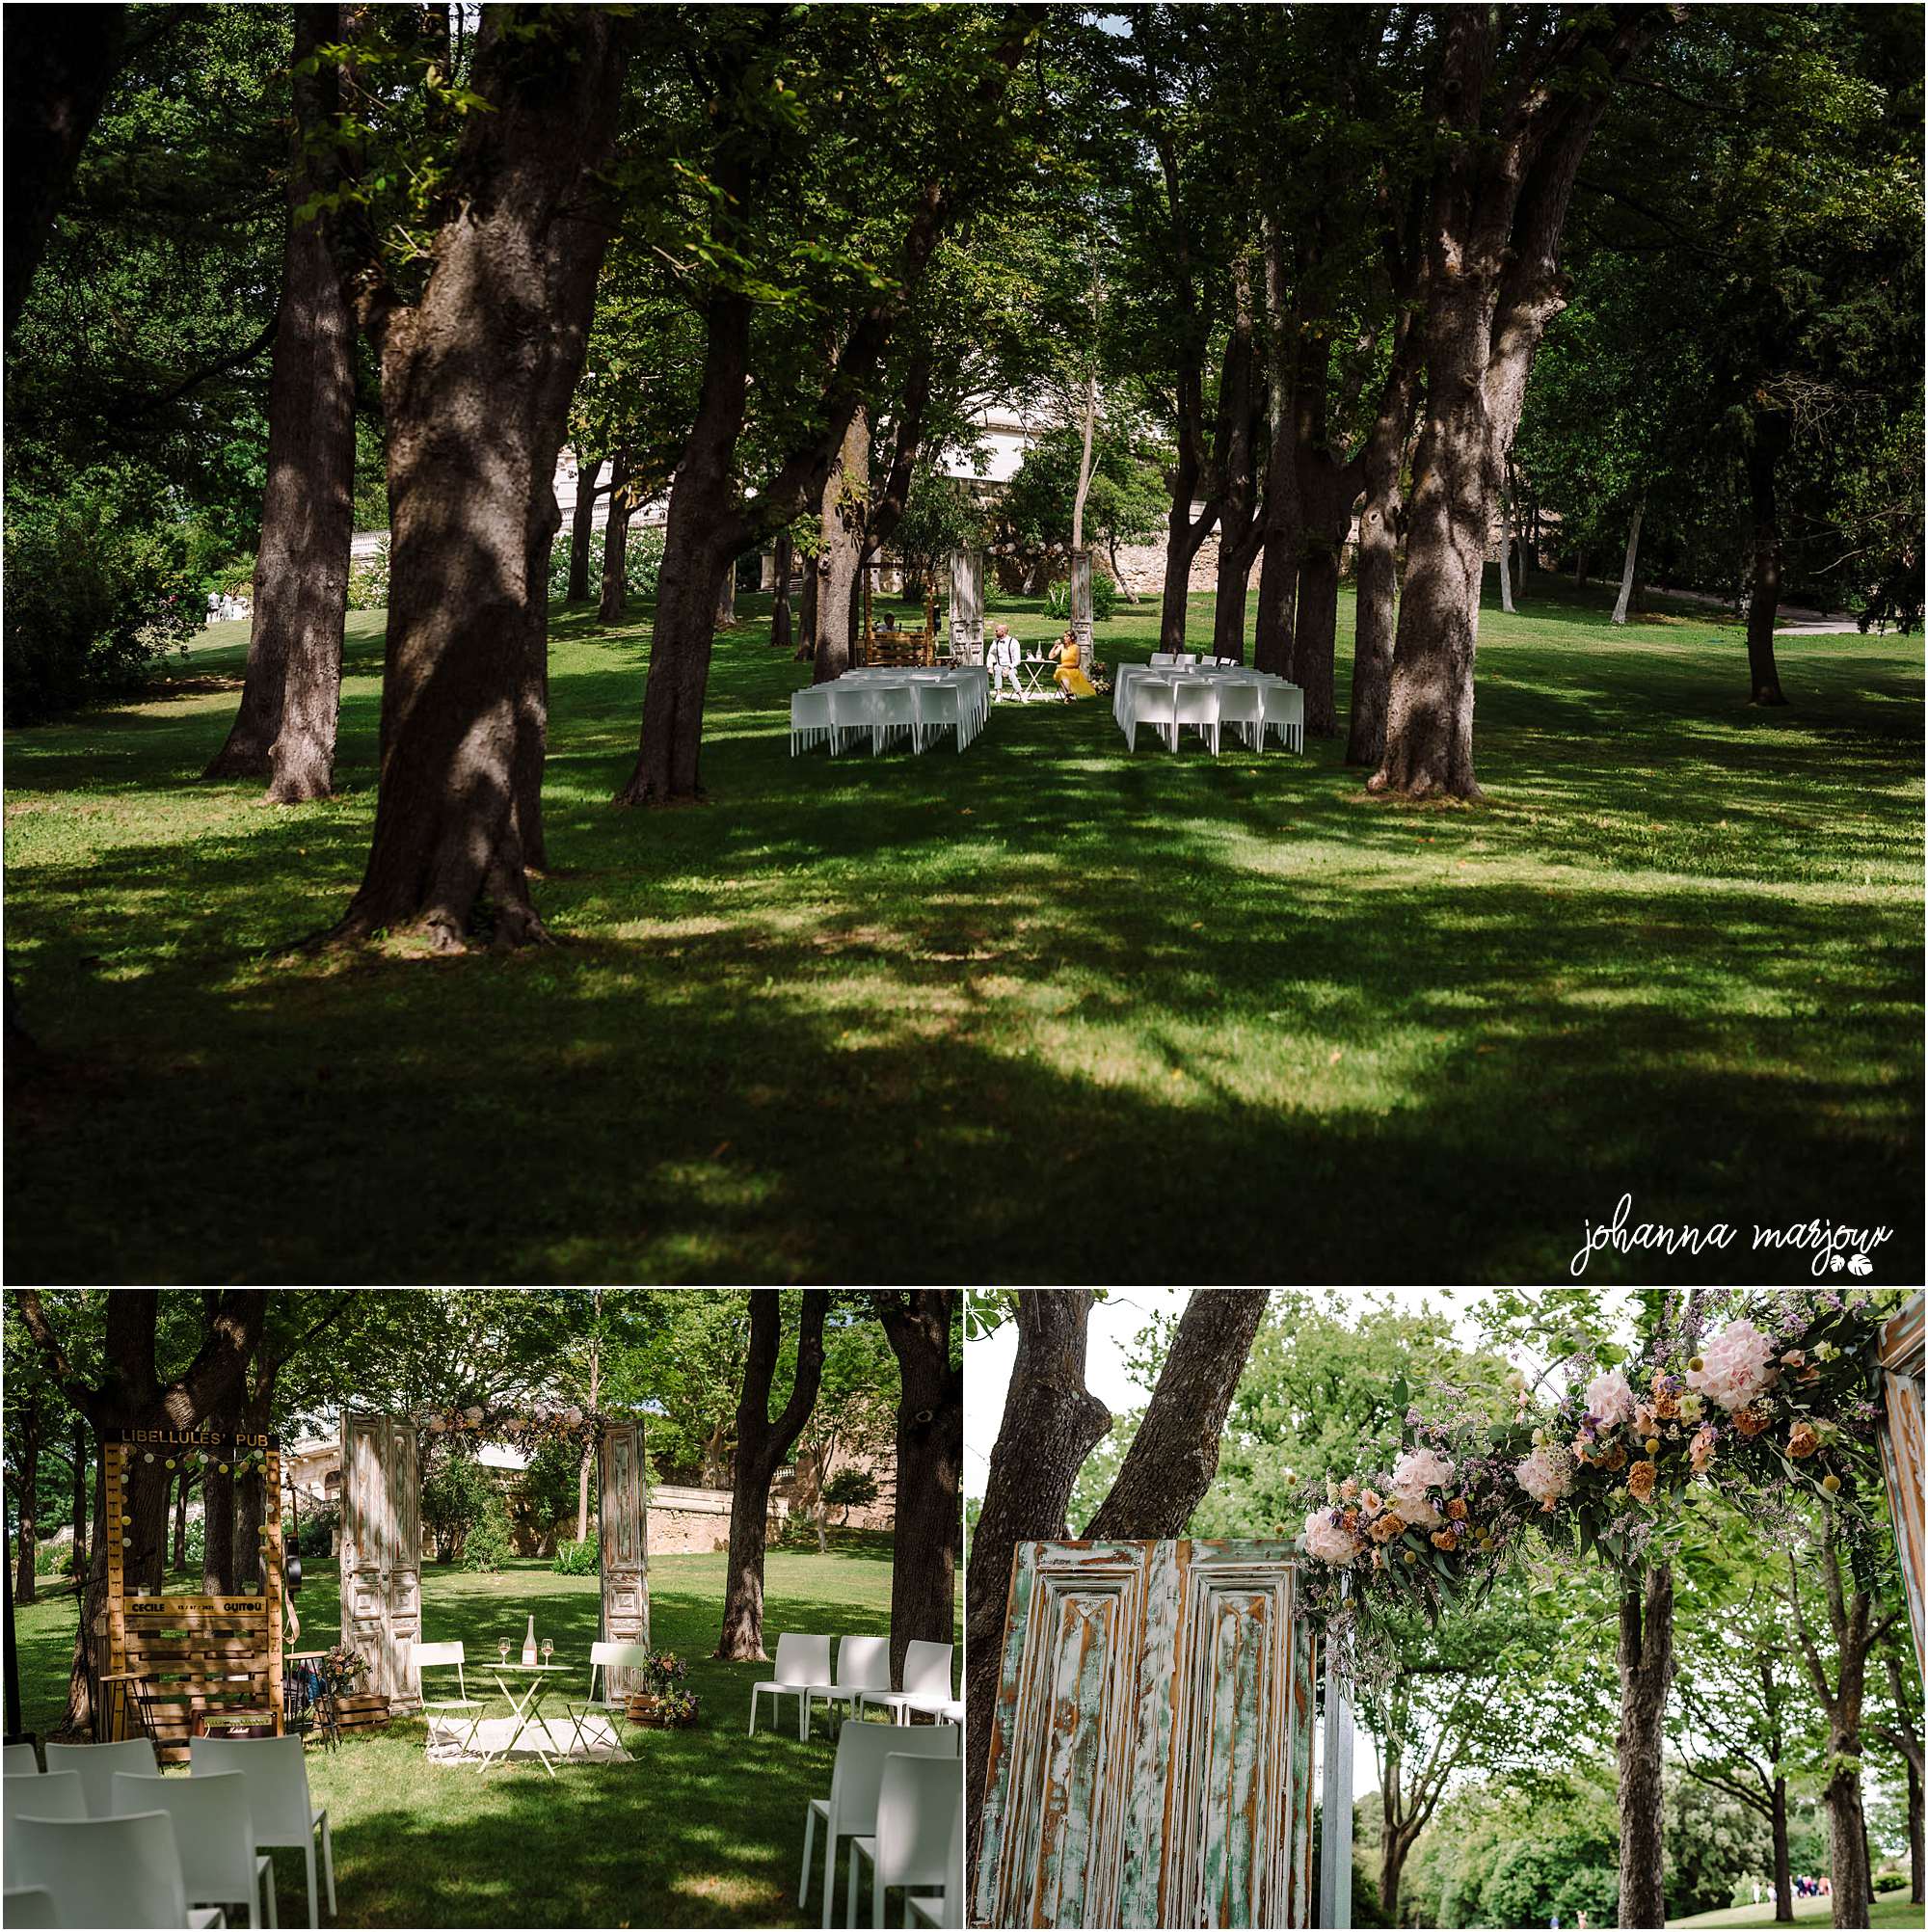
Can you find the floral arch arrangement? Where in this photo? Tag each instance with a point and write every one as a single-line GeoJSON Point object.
{"type": "Point", "coordinates": [522, 1426]}
{"type": "Point", "coordinates": [1777, 1405]}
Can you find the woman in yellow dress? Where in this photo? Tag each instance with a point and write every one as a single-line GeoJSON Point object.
{"type": "Point", "coordinates": [1071, 681]}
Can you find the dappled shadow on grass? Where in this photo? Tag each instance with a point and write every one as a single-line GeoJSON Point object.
{"type": "Point", "coordinates": [920, 1019]}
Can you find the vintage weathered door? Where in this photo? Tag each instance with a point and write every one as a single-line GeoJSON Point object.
{"type": "Point", "coordinates": [622, 1531]}
{"type": "Point", "coordinates": [1151, 1745]}
{"type": "Point", "coordinates": [381, 1551]}
{"type": "Point", "coordinates": [1901, 1366]}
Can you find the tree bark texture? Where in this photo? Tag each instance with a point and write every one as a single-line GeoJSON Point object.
{"type": "Point", "coordinates": [1278, 555]}
{"type": "Point", "coordinates": [181, 1488]}
{"type": "Point", "coordinates": [1645, 1658]}
{"type": "Point", "coordinates": [1506, 546]}
{"type": "Point", "coordinates": [806, 613]}
{"type": "Point", "coordinates": [614, 591]}
{"type": "Point", "coordinates": [930, 1467]}
{"type": "Point", "coordinates": [1771, 436]}
{"type": "Point", "coordinates": [781, 565]}
{"type": "Point", "coordinates": [26, 1498]}
{"type": "Point", "coordinates": [1493, 282]}
{"type": "Point", "coordinates": [760, 1446]}
{"type": "Point", "coordinates": [838, 559]}
{"type": "Point", "coordinates": [1328, 486]}
{"type": "Point", "coordinates": [1241, 416]}
{"type": "Point", "coordinates": [1050, 1423]}
{"type": "Point", "coordinates": [1784, 1865]}
{"type": "Point", "coordinates": [582, 526]}
{"type": "Point", "coordinates": [1630, 565]}
{"type": "Point", "coordinates": [1375, 593]}
{"type": "Point", "coordinates": [1175, 1453]}
{"type": "Point", "coordinates": [477, 376]}
{"type": "Point", "coordinates": [291, 692]}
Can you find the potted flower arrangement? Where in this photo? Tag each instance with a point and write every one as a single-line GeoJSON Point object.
{"type": "Point", "coordinates": [662, 1703]}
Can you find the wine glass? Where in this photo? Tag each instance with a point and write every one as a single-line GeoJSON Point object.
{"type": "Point", "coordinates": [548, 1648]}
{"type": "Point", "coordinates": [502, 1649]}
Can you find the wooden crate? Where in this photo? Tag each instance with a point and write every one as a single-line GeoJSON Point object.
{"type": "Point", "coordinates": [365, 1711]}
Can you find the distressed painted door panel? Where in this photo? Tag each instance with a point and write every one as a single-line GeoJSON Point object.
{"type": "Point", "coordinates": [1901, 1361]}
{"type": "Point", "coordinates": [381, 1551]}
{"type": "Point", "coordinates": [622, 1527]}
{"type": "Point", "coordinates": [1151, 1746]}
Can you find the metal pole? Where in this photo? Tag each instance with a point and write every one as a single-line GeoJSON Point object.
{"type": "Point", "coordinates": [1335, 1827]}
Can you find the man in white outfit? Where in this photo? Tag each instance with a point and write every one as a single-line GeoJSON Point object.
{"type": "Point", "coordinates": [1001, 654]}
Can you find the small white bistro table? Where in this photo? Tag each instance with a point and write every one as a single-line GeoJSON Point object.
{"type": "Point", "coordinates": [529, 1712]}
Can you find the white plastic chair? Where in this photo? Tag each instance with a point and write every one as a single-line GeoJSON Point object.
{"type": "Point", "coordinates": [1242, 709]}
{"type": "Point", "coordinates": [802, 1672]}
{"type": "Point", "coordinates": [214, 1834]}
{"type": "Point", "coordinates": [937, 707]}
{"type": "Point", "coordinates": [1285, 714]}
{"type": "Point", "coordinates": [849, 710]}
{"type": "Point", "coordinates": [59, 1797]}
{"type": "Point", "coordinates": [27, 1905]}
{"type": "Point", "coordinates": [1166, 660]}
{"type": "Point", "coordinates": [97, 1763]}
{"type": "Point", "coordinates": [20, 1757]}
{"type": "Point", "coordinates": [856, 1779]}
{"type": "Point", "coordinates": [277, 1797]}
{"type": "Point", "coordinates": [926, 1681]}
{"type": "Point", "coordinates": [863, 1664]}
{"type": "Point", "coordinates": [1155, 703]}
{"type": "Point", "coordinates": [445, 1657]}
{"type": "Point", "coordinates": [1198, 706]}
{"type": "Point", "coordinates": [809, 716]}
{"type": "Point", "coordinates": [106, 1871]}
{"type": "Point", "coordinates": [604, 1657]}
{"type": "Point", "coordinates": [946, 1908]}
{"type": "Point", "coordinates": [917, 1821]}
{"type": "Point", "coordinates": [894, 710]}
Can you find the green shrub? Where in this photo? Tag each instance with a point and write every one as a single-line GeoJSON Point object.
{"type": "Point", "coordinates": [316, 1535]}
{"type": "Point", "coordinates": [369, 580]}
{"type": "Point", "coordinates": [579, 1559]}
{"type": "Point", "coordinates": [489, 1545]}
{"type": "Point", "coordinates": [53, 1559]}
{"type": "Point", "coordinates": [1104, 600]}
{"type": "Point", "coordinates": [1890, 1881]}
{"type": "Point", "coordinates": [97, 592]}
{"type": "Point", "coordinates": [642, 563]}
{"type": "Point", "coordinates": [195, 1543]}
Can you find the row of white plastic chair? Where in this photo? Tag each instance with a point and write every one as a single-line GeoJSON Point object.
{"type": "Point", "coordinates": [1250, 709]}
{"type": "Point", "coordinates": [863, 1676]}
{"type": "Point", "coordinates": [89, 1840]}
{"type": "Point", "coordinates": [1176, 659]}
{"type": "Point", "coordinates": [896, 1802]}
{"type": "Point", "coordinates": [920, 710]}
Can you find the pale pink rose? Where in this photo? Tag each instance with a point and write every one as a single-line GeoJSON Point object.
{"type": "Point", "coordinates": [1701, 1451]}
{"type": "Point", "coordinates": [1411, 1476]}
{"type": "Point", "coordinates": [1608, 1399]}
{"type": "Point", "coordinates": [1327, 1540]}
{"type": "Point", "coordinates": [1546, 1475]}
{"type": "Point", "coordinates": [1735, 1366]}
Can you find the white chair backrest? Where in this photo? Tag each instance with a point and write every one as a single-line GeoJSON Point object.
{"type": "Point", "coordinates": [1241, 700]}
{"type": "Point", "coordinates": [1198, 701]}
{"type": "Point", "coordinates": [27, 1905]}
{"type": "Point", "coordinates": [896, 704]}
{"type": "Point", "coordinates": [97, 1763]}
{"type": "Point", "coordinates": [608, 1657]}
{"type": "Point", "coordinates": [214, 1828]}
{"type": "Point", "coordinates": [277, 1775]}
{"type": "Point", "coordinates": [20, 1757]}
{"type": "Point", "coordinates": [863, 1663]}
{"type": "Point", "coordinates": [916, 1808]}
{"type": "Point", "coordinates": [938, 701]}
{"type": "Point", "coordinates": [862, 1750]}
{"type": "Point", "coordinates": [58, 1796]}
{"type": "Point", "coordinates": [103, 1871]}
{"type": "Point", "coordinates": [812, 703]}
{"type": "Point", "coordinates": [802, 1659]}
{"type": "Point", "coordinates": [437, 1656]}
{"type": "Point", "coordinates": [926, 1668]}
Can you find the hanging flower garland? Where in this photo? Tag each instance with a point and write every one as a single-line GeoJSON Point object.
{"type": "Point", "coordinates": [466, 1429]}
{"type": "Point", "coordinates": [1780, 1404]}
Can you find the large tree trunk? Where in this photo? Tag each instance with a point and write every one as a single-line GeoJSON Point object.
{"type": "Point", "coordinates": [1630, 566]}
{"type": "Point", "coordinates": [930, 1467]}
{"type": "Point", "coordinates": [1847, 1832]}
{"type": "Point", "coordinates": [1327, 490]}
{"type": "Point", "coordinates": [1784, 1866]}
{"type": "Point", "coordinates": [806, 613]}
{"type": "Point", "coordinates": [179, 1562]}
{"type": "Point", "coordinates": [1375, 603]}
{"type": "Point", "coordinates": [1241, 533]}
{"type": "Point", "coordinates": [1505, 548]}
{"type": "Point", "coordinates": [26, 1499]}
{"type": "Point", "coordinates": [477, 378]}
{"type": "Point", "coordinates": [1646, 1660]}
{"type": "Point", "coordinates": [1050, 1424]}
{"type": "Point", "coordinates": [1914, 1849]}
{"type": "Point", "coordinates": [291, 693]}
{"type": "Point", "coordinates": [1770, 440]}
{"type": "Point", "coordinates": [839, 560]}
{"type": "Point", "coordinates": [761, 1445]}
{"type": "Point", "coordinates": [698, 544]}
{"type": "Point", "coordinates": [1175, 1453]}
{"type": "Point", "coordinates": [781, 563]}
{"type": "Point", "coordinates": [582, 526]}
{"type": "Point", "coordinates": [1279, 562]}
{"type": "Point", "coordinates": [615, 587]}
{"type": "Point", "coordinates": [1184, 539]}
{"type": "Point", "coordinates": [80, 1454]}
{"type": "Point", "coordinates": [217, 1566]}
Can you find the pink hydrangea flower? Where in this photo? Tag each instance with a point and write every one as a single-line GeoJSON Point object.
{"type": "Point", "coordinates": [1546, 1475]}
{"type": "Point", "coordinates": [1411, 1476]}
{"type": "Point", "coordinates": [1327, 1540]}
{"type": "Point", "coordinates": [1735, 1366]}
{"type": "Point", "coordinates": [1609, 1398]}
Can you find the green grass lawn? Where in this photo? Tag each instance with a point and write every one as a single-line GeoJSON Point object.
{"type": "Point", "coordinates": [703, 1828]}
{"type": "Point", "coordinates": [945, 1018]}
{"type": "Point", "coordinates": [1892, 1908]}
